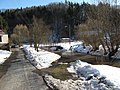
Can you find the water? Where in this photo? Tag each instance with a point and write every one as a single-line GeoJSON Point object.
{"type": "Point", "coordinates": [68, 57]}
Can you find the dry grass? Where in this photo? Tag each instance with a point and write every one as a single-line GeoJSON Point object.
{"type": "Point", "coordinates": [59, 72]}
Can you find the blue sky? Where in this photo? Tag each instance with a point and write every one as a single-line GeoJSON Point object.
{"type": "Point", "coordinates": [8, 4]}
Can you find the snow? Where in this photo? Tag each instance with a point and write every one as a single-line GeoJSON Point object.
{"type": "Point", "coordinates": [94, 84]}
{"type": "Point", "coordinates": [78, 46]}
{"type": "Point", "coordinates": [109, 74]}
{"type": "Point", "coordinates": [53, 48]}
{"type": "Point", "coordinates": [97, 77]}
{"type": "Point", "coordinates": [41, 59]}
{"type": "Point", "coordinates": [4, 55]}
{"type": "Point", "coordinates": [75, 46]}
{"type": "Point", "coordinates": [117, 55]}
{"type": "Point", "coordinates": [81, 48]}
{"type": "Point", "coordinates": [65, 45]}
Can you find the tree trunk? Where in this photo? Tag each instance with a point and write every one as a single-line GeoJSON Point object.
{"type": "Point", "coordinates": [37, 48]}
{"type": "Point", "coordinates": [112, 53]}
{"type": "Point", "coordinates": [105, 51]}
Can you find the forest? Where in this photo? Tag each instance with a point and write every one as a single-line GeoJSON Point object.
{"type": "Point", "coordinates": [57, 15]}
{"type": "Point", "coordinates": [96, 24]}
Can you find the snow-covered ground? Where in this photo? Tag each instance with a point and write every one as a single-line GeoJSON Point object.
{"type": "Point", "coordinates": [78, 46]}
{"type": "Point", "coordinates": [105, 74]}
{"type": "Point", "coordinates": [4, 55]}
{"type": "Point", "coordinates": [93, 84]}
{"type": "Point", "coordinates": [75, 46]}
{"type": "Point", "coordinates": [65, 45]}
{"type": "Point", "coordinates": [92, 77]}
{"type": "Point", "coordinates": [41, 59]}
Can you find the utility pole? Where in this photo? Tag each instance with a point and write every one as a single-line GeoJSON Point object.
{"type": "Point", "coordinates": [116, 4]}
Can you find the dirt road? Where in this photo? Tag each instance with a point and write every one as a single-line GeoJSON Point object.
{"type": "Point", "coordinates": [21, 76]}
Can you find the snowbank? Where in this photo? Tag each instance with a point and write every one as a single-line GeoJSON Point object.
{"type": "Point", "coordinates": [93, 84]}
{"type": "Point", "coordinates": [65, 45]}
{"type": "Point", "coordinates": [57, 84]}
{"type": "Point", "coordinates": [4, 55]}
{"type": "Point", "coordinates": [99, 74]}
{"type": "Point", "coordinates": [76, 46]}
{"type": "Point", "coordinates": [117, 55]}
{"type": "Point", "coordinates": [41, 59]}
{"type": "Point", "coordinates": [111, 73]}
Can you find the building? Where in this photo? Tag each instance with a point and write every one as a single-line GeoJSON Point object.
{"type": "Point", "coordinates": [65, 40]}
{"type": "Point", "coordinates": [3, 38]}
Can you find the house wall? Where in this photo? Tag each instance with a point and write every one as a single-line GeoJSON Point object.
{"type": "Point", "coordinates": [4, 39]}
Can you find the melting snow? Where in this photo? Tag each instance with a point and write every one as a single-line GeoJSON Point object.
{"type": "Point", "coordinates": [41, 59]}
{"type": "Point", "coordinates": [4, 55]}
{"type": "Point", "coordinates": [110, 74]}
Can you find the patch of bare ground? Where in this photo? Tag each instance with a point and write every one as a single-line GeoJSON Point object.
{"type": "Point", "coordinates": [4, 67]}
{"type": "Point", "coordinates": [60, 72]}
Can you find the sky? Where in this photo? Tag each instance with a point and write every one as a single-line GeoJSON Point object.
{"type": "Point", "coordinates": [12, 4]}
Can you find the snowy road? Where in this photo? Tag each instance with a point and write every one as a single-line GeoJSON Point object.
{"type": "Point", "coordinates": [21, 76]}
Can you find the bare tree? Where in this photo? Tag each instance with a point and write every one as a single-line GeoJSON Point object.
{"type": "Point", "coordinates": [41, 32]}
{"type": "Point", "coordinates": [104, 29]}
{"type": "Point", "coordinates": [110, 27]}
{"type": "Point", "coordinates": [14, 39]}
{"type": "Point", "coordinates": [21, 33]}
{"type": "Point", "coordinates": [88, 33]}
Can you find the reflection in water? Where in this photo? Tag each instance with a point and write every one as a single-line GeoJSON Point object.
{"type": "Point", "coordinates": [96, 60]}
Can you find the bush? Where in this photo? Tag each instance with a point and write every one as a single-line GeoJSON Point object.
{"type": "Point", "coordinates": [5, 47]}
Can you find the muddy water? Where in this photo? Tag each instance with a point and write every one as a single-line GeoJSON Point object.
{"type": "Point", "coordinates": [68, 57]}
